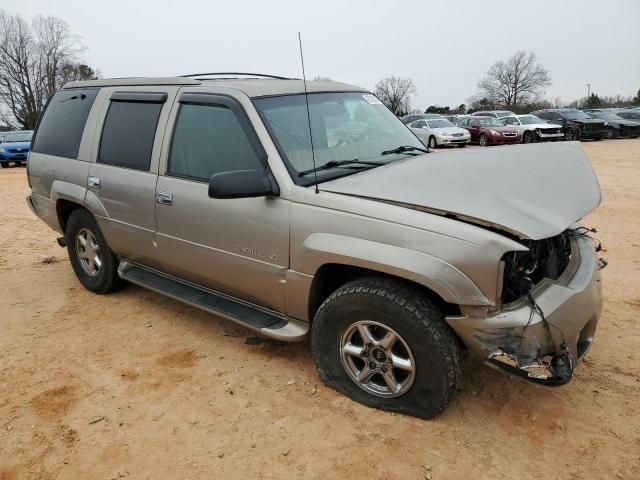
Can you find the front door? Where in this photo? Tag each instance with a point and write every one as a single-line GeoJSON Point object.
{"type": "Point", "coordinates": [235, 246]}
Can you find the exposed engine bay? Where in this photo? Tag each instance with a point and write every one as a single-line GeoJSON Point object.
{"type": "Point", "coordinates": [546, 258]}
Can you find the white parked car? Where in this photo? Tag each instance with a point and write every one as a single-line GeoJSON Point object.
{"type": "Point", "coordinates": [435, 132]}
{"type": "Point", "coordinates": [533, 129]}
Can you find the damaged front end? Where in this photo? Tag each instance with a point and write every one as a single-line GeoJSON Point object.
{"type": "Point", "coordinates": [550, 305]}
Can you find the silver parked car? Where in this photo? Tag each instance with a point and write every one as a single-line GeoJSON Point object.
{"type": "Point", "coordinates": [225, 195]}
{"type": "Point", "coordinates": [436, 132]}
{"type": "Point", "coordinates": [533, 129]}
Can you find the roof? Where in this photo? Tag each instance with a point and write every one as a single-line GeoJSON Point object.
{"type": "Point", "coordinates": [253, 87]}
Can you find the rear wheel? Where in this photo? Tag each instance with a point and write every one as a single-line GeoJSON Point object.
{"type": "Point", "coordinates": [483, 141]}
{"type": "Point", "coordinates": [432, 142]}
{"type": "Point", "coordinates": [611, 133]}
{"type": "Point", "coordinates": [385, 345]}
{"type": "Point", "coordinates": [92, 260]}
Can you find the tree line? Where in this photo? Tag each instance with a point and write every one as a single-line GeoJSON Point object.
{"type": "Point", "coordinates": [36, 59]}
{"type": "Point", "coordinates": [517, 84]}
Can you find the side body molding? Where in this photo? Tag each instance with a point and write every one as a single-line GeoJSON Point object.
{"type": "Point", "coordinates": [447, 281]}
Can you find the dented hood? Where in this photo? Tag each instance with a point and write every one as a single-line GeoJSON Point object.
{"type": "Point", "coordinates": [534, 191]}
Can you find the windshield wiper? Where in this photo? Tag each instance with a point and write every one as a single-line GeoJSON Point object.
{"type": "Point", "coordinates": [337, 163]}
{"type": "Point", "coordinates": [405, 149]}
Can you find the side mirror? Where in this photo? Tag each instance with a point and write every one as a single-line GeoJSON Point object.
{"type": "Point", "coordinates": [242, 184]}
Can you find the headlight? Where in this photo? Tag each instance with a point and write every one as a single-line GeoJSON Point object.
{"type": "Point", "coordinates": [2, 150]}
{"type": "Point", "coordinates": [495, 132]}
{"type": "Point", "coordinates": [606, 123]}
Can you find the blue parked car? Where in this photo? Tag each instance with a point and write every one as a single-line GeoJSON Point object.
{"type": "Point", "coordinates": [15, 148]}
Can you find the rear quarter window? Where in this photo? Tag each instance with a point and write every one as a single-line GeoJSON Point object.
{"type": "Point", "coordinates": [60, 129]}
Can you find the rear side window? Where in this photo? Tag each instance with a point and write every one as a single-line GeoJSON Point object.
{"type": "Point", "coordinates": [60, 129]}
{"type": "Point", "coordinates": [209, 139]}
{"type": "Point", "coordinates": [129, 130]}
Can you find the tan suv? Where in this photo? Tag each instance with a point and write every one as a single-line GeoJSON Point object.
{"type": "Point", "coordinates": [224, 194]}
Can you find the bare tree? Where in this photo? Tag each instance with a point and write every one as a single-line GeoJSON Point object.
{"type": "Point", "coordinates": [35, 60]}
{"type": "Point", "coordinates": [395, 93]}
{"type": "Point", "coordinates": [516, 82]}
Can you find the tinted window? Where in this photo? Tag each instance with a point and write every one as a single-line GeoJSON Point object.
{"type": "Point", "coordinates": [128, 133]}
{"type": "Point", "coordinates": [210, 139]}
{"type": "Point", "coordinates": [61, 126]}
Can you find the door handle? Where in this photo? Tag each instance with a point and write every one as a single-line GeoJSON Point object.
{"type": "Point", "coordinates": [94, 182]}
{"type": "Point", "coordinates": [164, 198]}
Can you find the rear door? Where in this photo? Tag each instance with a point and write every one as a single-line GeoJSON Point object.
{"type": "Point", "coordinates": [235, 246]}
{"type": "Point", "coordinates": [124, 169]}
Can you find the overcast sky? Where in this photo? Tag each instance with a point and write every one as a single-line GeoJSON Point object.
{"type": "Point", "coordinates": [444, 46]}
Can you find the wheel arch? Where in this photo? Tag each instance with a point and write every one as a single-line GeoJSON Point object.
{"type": "Point", "coordinates": [331, 276]}
{"type": "Point", "coordinates": [330, 261]}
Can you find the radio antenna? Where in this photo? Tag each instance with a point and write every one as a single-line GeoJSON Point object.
{"type": "Point", "coordinates": [306, 99]}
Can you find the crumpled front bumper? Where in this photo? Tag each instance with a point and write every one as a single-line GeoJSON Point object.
{"type": "Point", "coordinates": [518, 341]}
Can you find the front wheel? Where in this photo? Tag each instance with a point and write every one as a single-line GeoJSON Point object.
{"type": "Point", "coordinates": [527, 137]}
{"type": "Point", "coordinates": [5, 164]}
{"type": "Point", "coordinates": [432, 142]}
{"type": "Point", "coordinates": [483, 141]}
{"type": "Point", "coordinates": [384, 344]}
{"type": "Point", "coordinates": [611, 133]}
{"type": "Point", "coordinates": [570, 134]}
{"type": "Point", "coordinates": [92, 260]}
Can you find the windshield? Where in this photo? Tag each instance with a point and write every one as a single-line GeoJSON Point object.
{"type": "Point", "coordinates": [628, 115]}
{"type": "Point", "coordinates": [440, 123]}
{"type": "Point", "coordinates": [345, 126]}
{"type": "Point", "coordinates": [490, 122]}
{"type": "Point", "coordinates": [576, 115]}
{"type": "Point", "coordinates": [18, 137]}
{"type": "Point", "coordinates": [530, 120]}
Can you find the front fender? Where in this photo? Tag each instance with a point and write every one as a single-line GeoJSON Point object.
{"type": "Point", "coordinates": [447, 281]}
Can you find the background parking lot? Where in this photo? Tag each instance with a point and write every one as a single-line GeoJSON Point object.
{"type": "Point", "coordinates": [136, 384]}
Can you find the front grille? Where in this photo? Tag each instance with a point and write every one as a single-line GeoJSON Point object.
{"type": "Point", "coordinates": [458, 134]}
{"type": "Point", "coordinates": [18, 150]}
{"type": "Point", "coordinates": [509, 134]}
{"type": "Point", "coordinates": [550, 130]}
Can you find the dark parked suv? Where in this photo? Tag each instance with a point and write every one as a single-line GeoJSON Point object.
{"type": "Point", "coordinates": [575, 123]}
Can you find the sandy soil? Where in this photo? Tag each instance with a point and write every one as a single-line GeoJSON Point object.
{"type": "Point", "coordinates": [134, 384]}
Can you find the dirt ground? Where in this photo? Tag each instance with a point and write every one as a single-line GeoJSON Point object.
{"type": "Point", "coordinates": [137, 385]}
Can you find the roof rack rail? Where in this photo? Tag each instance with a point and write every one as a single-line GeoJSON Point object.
{"type": "Point", "coordinates": [246, 74]}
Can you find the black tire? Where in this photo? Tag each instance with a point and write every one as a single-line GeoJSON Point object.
{"type": "Point", "coordinates": [611, 133]}
{"type": "Point", "coordinates": [418, 322]}
{"type": "Point", "coordinates": [432, 142]}
{"type": "Point", "coordinates": [106, 278]}
{"type": "Point", "coordinates": [5, 164]}
{"type": "Point", "coordinates": [528, 137]}
{"type": "Point", "coordinates": [570, 135]}
{"type": "Point", "coordinates": [483, 141]}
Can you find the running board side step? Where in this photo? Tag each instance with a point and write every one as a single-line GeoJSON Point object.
{"type": "Point", "coordinates": [265, 322]}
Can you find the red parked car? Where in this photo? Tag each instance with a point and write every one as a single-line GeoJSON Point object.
{"type": "Point", "coordinates": [487, 131]}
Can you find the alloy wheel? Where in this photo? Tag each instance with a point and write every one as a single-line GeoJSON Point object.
{"type": "Point", "coordinates": [377, 359]}
{"type": "Point", "coordinates": [88, 252]}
